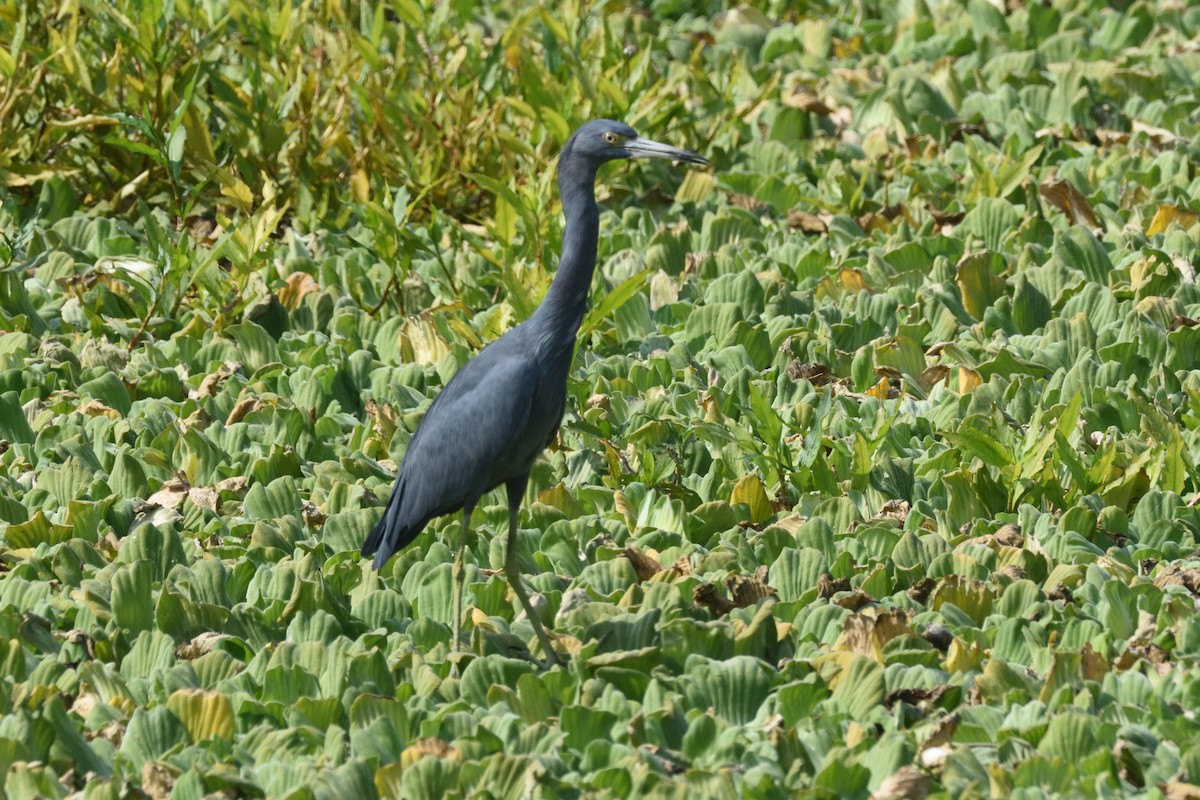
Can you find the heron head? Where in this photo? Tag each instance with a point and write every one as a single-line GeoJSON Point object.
{"type": "Point", "coordinates": [603, 140]}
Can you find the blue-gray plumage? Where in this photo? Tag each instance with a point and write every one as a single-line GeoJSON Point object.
{"type": "Point", "coordinates": [501, 410]}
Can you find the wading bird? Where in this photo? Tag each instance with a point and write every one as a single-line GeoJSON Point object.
{"type": "Point", "coordinates": [500, 411]}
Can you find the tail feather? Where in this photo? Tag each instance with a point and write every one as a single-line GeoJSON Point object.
{"type": "Point", "coordinates": [392, 532]}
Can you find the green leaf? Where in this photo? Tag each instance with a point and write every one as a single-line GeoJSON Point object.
{"type": "Point", "coordinates": [483, 673]}
{"type": "Point", "coordinates": [151, 734]}
{"type": "Point", "coordinates": [796, 572]}
{"type": "Point", "coordinates": [68, 739]}
{"type": "Point", "coordinates": [175, 144]}
{"type": "Point", "coordinates": [860, 688]}
{"type": "Point", "coordinates": [735, 688]}
{"type": "Point", "coordinates": [132, 603]}
{"type": "Point", "coordinates": [613, 300]}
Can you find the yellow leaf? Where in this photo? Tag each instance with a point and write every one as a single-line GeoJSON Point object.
{"type": "Point", "coordinates": [832, 667]}
{"type": "Point", "coordinates": [85, 121]}
{"type": "Point", "coordinates": [626, 508]}
{"type": "Point", "coordinates": [858, 637]}
{"type": "Point", "coordinates": [972, 597]}
{"type": "Point", "coordinates": [750, 490]}
{"type": "Point", "coordinates": [298, 285]}
{"type": "Point", "coordinates": [504, 220]}
{"type": "Point", "coordinates": [695, 188]}
{"type": "Point", "coordinates": [560, 497]}
{"type": "Point", "coordinates": [387, 781]}
{"type": "Point", "coordinates": [205, 714]}
{"type": "Point", "coordinates": [1168, 215]}
{"type": "Point", "coordinates": [198, 138]}
{"type": "Point", "coordinates": [852, 280]}
{"type": "Point", "coordinates": [866, 636]}
{"type": "Point", "coordinates": [425, 748]}
{"type": "Point", "coordinates": [962, 656]}
{"type": "Point", "coordinates": [968, 380]}
{"type": "Point", "coordinates": [856, 734]}
{"type": "Point", "coordinates": [236, 190]}
{"type": "Point", "coordinates": [844, 48]}
{"type": "Point", "coordinates": [880, 390]}
{"type": "Point", "coordinates": [419, 338]}
{"type": "Point", "coordinates": [978, 282]}
{"type": "Point", "coordinates": [361, 184]}
{"type": "Point", "coordinates": [827, 289]}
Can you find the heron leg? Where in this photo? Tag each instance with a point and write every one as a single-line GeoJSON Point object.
{"type": "Point", "coordinates": [515, 490]}
{"type": "Point", "coordinates": [460, 574]}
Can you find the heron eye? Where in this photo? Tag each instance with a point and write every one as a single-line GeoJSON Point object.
{"type": "Point", "coordinates": [610, 138]}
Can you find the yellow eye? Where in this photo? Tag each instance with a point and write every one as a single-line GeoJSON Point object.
{"type": "Point", "coordinates": [610, 137]}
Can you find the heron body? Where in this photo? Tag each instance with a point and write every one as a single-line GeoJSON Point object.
{"type": "Point", "coordinates": [500, 411]}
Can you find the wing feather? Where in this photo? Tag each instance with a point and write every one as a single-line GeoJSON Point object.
{"type": "Point", "coordinates": [468, 442]}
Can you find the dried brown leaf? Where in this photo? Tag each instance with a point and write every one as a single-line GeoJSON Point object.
{"type": "Point", "coordinates": [920, 698]}
{"type": "Point", "coordinates": [171, 495]}
{"type": "Point", "coordinates": [644, 566]}
{"type": "Point", "coordinates": [246, 405]}
{"type": "Point", "coordinates": [816, 374]}
{"type": "Point", "coordinates": [198, 646]}
{"type": "Point", "coordinates": [1013, 573]}
{"type": "Point", "coordinates": [1179, 791]}
{"type": "Point", "coordinates": [945, 217]}
{"type": "Point", "coordinates": [1159, 136]}
{"type": "Point", "coordinates": [920, 590]}
{"type": "Point", "coordinates": [748, 202]}
{"type": "Point", "coordinates": [932, 376]}
{"type": "Point", "coordinates": [828, 586]}
{"type": "Point", "coordinates": [707, 595]}
{"type": "Point", "coordinates": [943, 733]}
{"type": "Point", "coordinates": [906, 783]}
{"type": "Point", "coordinates": [1092, 665]}
{"type": "Point", "coordinates": [805, 222]}
{"type": "Point", "coordinates": [94, 408]}
{"type": "Point", "coordinates": [744, 591]}
{"type": "Point", "coordinates": [1177, 575]}
{"type": "Point", "coordinates": [236, 484]}
{"type": "Point", "coordinates": [204, 498]}
{"type": "Point", "coordinates": [212, 382]}
{"type": "Point", "coordinates": [1007, 535]}
{"type": "Point", "coordinates": [313, 516]}
{"type": "Point", "coordinates": [805, 100]}
{"type": "Point", "coordinates": [1063, 195]}
{"type": "Point", "coordinates": [855, 600]}
{"type": "Point", "coordinates": [158, 779]}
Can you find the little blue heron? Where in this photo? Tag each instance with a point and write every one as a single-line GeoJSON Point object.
{"type": "Point", "coordinates": [500, 411]}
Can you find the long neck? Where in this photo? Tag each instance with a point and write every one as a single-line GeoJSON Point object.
{"type": "Point", "coordinates": [562, 309]}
